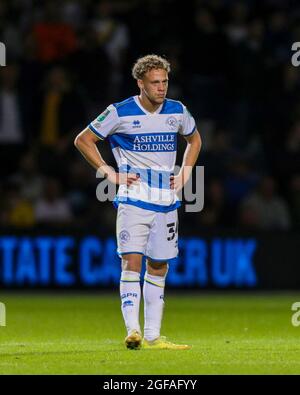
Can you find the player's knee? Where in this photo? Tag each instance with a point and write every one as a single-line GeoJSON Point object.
{"type": "Point", "coordinates": [157, 268]}
{"type": "Point", "coordinates": [132, 263]}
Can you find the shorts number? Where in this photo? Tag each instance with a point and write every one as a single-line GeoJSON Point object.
{"type": "Point", "coordinates": [173, 227]}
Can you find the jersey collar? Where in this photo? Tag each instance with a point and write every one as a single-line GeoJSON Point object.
{"type": "Point", "coordinates": [138, 103]}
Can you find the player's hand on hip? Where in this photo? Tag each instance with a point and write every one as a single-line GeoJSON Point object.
{"type": "Point", "coordinates": [127, 178]}
{"type": "Point", "coordinates": [177, 182]}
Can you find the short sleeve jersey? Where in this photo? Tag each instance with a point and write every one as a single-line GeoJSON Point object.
{"type": "Point", "coordinates": [146, 144]}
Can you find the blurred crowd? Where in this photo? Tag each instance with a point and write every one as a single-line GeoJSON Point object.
{"type": "Point", "coordinates": [231, 65]}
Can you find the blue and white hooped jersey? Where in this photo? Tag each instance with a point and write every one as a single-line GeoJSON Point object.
{"type": "Point", "coordinates": [145, 143]}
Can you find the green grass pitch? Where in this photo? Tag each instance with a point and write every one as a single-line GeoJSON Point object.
{"type": "Point", "coordinates": [231, 333]}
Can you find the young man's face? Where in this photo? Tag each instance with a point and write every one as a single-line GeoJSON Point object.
{"type": "Point", "coordinates": [155, 85]}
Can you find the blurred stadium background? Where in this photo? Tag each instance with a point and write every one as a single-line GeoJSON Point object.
{"type": "Point", "coordinates": [231, 65]}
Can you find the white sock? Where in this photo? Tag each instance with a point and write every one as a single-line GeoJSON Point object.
{"type": "Point", "coordinates": [153, 292]}
{"type": "Point", "coordinates": [130, 292]}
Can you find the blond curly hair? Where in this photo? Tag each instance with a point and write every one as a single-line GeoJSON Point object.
{"type": "Point", "coordinates": [149, 62]}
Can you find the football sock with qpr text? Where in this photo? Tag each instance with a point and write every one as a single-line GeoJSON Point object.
{"type": "Point", "coordinates": [153, 291]}
{"type": "Point", "coordinates": [130, 292]}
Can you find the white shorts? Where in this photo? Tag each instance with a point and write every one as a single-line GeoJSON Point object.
{"type": "Point", "coordinates": [146, 232]}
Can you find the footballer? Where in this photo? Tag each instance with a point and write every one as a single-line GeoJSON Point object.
{"type": "Point", "coordinates": [142, 131]}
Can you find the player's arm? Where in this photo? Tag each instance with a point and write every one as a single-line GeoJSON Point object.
{"type": "Point", "coordinates": [86, 143]}
{"type": "Point", "coordinates": [190, 157]}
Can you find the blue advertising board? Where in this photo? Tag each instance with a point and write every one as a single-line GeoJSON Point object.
{"type": "Point", "coordinates": [66, 261]}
